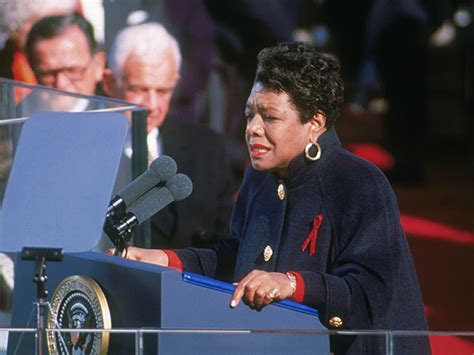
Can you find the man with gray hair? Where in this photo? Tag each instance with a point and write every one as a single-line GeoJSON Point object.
{"type": "Point", "coordinates": [144, 68]}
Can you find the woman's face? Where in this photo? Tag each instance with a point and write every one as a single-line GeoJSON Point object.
{"type": "Point", "coordinates": [274, 133]}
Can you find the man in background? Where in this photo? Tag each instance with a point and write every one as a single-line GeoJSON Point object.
{"type": "Point", "coordinates": [145, 62]}
{"type": "Point", "coordinates": [64, 54]}
{"type": "Point", "coordinates": [16, 19]}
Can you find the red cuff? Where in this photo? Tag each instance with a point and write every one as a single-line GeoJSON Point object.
{"type": "Point", "coordinates": [298, 296]}
{"type": "Point", "coordinates": [173, 260]}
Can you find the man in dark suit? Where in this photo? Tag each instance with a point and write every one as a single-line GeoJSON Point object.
{"type": "Point", "coordinates": [145, 63]}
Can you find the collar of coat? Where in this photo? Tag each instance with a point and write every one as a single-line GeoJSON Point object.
{"type": "Point", "coordinates": [300, 166]}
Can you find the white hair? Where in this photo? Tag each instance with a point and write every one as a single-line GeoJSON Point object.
{"type": "Point", "coordinates": [147, 40]}
{"type": "Point", "coordinates": [14, 13]}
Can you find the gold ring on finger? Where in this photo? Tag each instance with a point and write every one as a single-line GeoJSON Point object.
{"type": "Point", "coordinates": [273, 293]}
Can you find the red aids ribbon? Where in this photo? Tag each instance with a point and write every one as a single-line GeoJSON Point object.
{"type": "Point", "coordinates": [311, 239]}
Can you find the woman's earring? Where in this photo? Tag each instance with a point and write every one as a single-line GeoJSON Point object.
{"type": "Point", "coordinates": [312, 151]}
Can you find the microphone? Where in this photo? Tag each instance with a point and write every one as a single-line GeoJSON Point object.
{"type": "Point", "coordinates": [160, 170]}
{"type": "Point", "coordinates": [177, 188]}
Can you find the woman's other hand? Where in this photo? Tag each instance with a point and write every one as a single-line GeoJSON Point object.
{"type": "Point", "coordinates": [260, 288]}
{"type": "Point", "coordinates": [152, 256]}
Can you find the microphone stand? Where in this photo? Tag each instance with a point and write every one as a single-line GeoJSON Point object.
{"type": "Point", "coordinates": [41, 256]}
{"type": "Point", "coordinates": [119, 231]}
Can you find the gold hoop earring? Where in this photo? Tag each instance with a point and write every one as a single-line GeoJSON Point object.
{"type": "Point", "coordinates": [312, 151]}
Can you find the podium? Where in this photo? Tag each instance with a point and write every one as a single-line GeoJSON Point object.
{"type": "Point", "coordinates": [56, 199]}
{"type": "Point", "coordinates": [146, 296]}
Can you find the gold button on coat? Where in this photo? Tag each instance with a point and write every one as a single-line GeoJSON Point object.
{"type": "Point", "coordinates": [267, 253]}
{"type": "Point", "coordinates": [335, 322]}
{"type": "Point", "coordinates": [281, 192]}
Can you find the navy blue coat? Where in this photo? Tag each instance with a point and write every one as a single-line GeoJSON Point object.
{"type": "Point", "coordinates": [361, 271]}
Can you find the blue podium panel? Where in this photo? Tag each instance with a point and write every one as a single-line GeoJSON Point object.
{"type": "Point", "coordinates": [146, 296]}
{"type": "Point", "coordinates": [62, 180]}
{"type": "Point", "coordinates": [195, 306]}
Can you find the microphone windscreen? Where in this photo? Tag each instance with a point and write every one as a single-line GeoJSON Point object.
{"type": "Point", "coordinates": [150, 203]}
{"type": "Point", "coordinates": [160, 171]}
{"type": "Point", "coordinates": [138, 187]}
{"type": "Point", "coordinates": [180, 186]}
{"type": "Point", "coordinates": [164, 166]}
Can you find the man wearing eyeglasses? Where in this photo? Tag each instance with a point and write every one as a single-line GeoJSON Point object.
{"type": "Point", "coordinates": [63, 54]}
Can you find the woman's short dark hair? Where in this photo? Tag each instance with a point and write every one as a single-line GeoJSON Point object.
{"type": "Point", "coordinates": [310, 78]}
{"type": "Point", "coordinates": [52, 26]}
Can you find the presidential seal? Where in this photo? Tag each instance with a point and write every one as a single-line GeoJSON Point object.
{"type": "Point", "coordinates": [78, 303]}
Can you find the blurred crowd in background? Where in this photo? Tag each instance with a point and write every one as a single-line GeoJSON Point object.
{"type": "Point", "coordinates": [385, 47]}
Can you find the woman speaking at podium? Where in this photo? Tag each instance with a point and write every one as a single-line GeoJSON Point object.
{"type": "Point", "coordinates": [312, 222]}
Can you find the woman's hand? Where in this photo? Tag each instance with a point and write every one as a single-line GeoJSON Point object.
{"type": "Point", "coordinates": [152, 256]}
{"type": "Point", "coordinates": [260, 288]}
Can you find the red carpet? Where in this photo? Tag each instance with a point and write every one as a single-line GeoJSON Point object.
{"type": "Point", "coordinates": [443, 345]}
{"type": "Point", "coordinates": [373, 153]}
{"type": "Point", "coordinates": [425, 228]}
